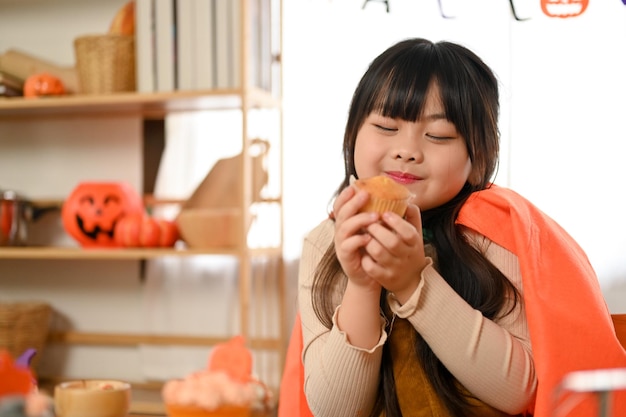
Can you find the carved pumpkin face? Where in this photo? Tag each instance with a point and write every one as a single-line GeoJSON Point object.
{"type": "Point", "coordinates": [43, 84]}
{"type": "Point", "coordinates": [92, 210]}
{"type": "Point", "coordinates": [563, 8]}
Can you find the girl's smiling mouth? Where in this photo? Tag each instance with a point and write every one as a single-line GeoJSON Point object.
{"type": "Point", "coordinates": [403, 177]}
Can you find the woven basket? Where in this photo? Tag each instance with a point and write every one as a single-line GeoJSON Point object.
{"type": "Point", "coordinates": [105, 63]}
{"type": "Point", "coordinates": [24, 325]}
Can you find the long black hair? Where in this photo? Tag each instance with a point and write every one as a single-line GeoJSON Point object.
{"type": "Point", "coordinates": [396, 85]}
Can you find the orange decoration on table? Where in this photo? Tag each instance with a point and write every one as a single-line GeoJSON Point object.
{"type": "Point", "coordinates": [233, 358]}
{"type": "Point", "coordinates": [14, 379]}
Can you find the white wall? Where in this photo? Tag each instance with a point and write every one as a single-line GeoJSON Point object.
{"type": "Point", "coordinates": [562, 90]}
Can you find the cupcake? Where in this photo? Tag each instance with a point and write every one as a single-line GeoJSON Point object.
{"type": "Point", "coordinates": [225, 388]}
{"type": "Point", "coordinates": [385, 194]}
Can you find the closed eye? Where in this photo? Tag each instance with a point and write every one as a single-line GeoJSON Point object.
{"type": "Point", "coordinates": [434, 137]}
{"type": "Point", "coordinates": [386, 129]}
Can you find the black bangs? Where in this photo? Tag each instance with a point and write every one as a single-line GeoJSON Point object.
{"type": "Point", "coordinates": [401, 92]}
{"type": "Point", "coordinates": [399, 80]}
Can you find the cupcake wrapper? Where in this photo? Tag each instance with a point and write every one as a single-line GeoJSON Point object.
{"type": "Point", "coordinates": [382, 206]}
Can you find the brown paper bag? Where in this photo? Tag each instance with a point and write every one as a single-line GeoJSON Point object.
{"type": "Point", "coordinates": [222, 187]}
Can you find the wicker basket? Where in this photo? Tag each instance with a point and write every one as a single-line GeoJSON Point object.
{"type": "Point", "coordinates": [105, 63]}
{"type": "Point", "coordinates": [24, 325]}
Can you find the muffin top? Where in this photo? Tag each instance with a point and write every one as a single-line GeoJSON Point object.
{"type": "Point", "coordinates": [382, 187]}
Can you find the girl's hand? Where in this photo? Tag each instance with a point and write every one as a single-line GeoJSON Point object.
{"type": "Point", "coordinates": [394, 255]}
{"type": "Point", "coordinates": [359, 314]}
{"type": "Point", "coordinates": [351, 236]}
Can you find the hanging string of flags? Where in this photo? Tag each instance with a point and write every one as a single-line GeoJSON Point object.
{"type": "Point", "coordinates": [551, 8]}
{"type": "Point", "coordinates": [563, 9]}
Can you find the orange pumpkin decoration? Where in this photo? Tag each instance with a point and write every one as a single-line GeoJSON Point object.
{"type": "Point", "coordinates": [145, 231]}
{"type": "Point", "coordinates": [43, 84]}
{"type": "Point", "coordinates": [564, 8]}
{"type": "Point", "coordinates": [169, 232]}
{"type": "Point", "coordinates": [93, 209]}
{"type": "Point", "coordinates": [233, 358]}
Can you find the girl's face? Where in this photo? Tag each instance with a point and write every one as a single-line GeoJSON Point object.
{"type": "Point", "coordinates": [428, 156]}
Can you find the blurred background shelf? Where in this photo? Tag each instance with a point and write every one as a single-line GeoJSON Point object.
{"type": "Point", "coordinates": [121, 254]}
{"type": "Point", "coordinates": [149, 105]}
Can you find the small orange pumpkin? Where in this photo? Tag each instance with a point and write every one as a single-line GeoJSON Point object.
{"type": "Point", "coordinates": [92, 210]}
{"type": "Point", "coordinates": [564, 8]}
{"type": "Point", "coordinates": [146, 231]}
{"type": "Point", "coordinates": [43, 84]}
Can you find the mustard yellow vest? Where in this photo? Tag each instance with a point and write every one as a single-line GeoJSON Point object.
{"type": "Point", "coordinates": [416, 396]}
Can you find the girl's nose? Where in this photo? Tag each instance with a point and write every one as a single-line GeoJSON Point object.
{"type": "Point", "coordinates": [408, 153]}
{"type": "Point", "coordinates": [404, 156]}
{"type": "Point", "coordinates": [407, 147]}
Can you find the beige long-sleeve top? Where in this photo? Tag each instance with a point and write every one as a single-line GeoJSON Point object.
{"type": "Point", "coordinates": [492, 359]}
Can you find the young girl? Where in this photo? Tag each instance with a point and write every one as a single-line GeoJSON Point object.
{"type": "Point", "coordinates": [474, 303]}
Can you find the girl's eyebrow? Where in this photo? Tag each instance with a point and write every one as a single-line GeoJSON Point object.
{"type": "Point", "coordinates": [435, 116]}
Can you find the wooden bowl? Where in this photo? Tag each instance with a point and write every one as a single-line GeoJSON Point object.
{"type": "Point", "coordinates": [210, 227]}
{"type": "Point", "coordinates": [93, 398]}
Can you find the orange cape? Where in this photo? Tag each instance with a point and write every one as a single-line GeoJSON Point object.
{"type": "Point", "coordinates": [570, 326]}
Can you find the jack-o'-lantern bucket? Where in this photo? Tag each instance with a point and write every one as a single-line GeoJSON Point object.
{"type": "Point", "coordinates": [92, 210]}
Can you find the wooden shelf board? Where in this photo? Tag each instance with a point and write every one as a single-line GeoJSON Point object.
{"type": "Point", "coordinates": [122, 254]}
{"type": "Point", "coordinates": [135, 339]}
{"type": "Point", "coordinates": [147, 104]}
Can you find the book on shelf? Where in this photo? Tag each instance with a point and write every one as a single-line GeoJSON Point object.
{"type": "Point", "coordinates": [255, 40]}
{"type": "Point", "coordinates": [260, 43]}
{"type": "Point", "coordinates": [205, 40]}
{"type": "Point", "coordinates": [11, 81]}
{"type": "Point", "coordinates": [8, 91]}
{"type": "Point", "coordinates": [223, 44]}
{"type": "Point", "coordinates": [196, 44]}
{"type": "Point", "coordinates": [234, 60]}
{"type": "Point", "coordinates": [21, 64]}
{"type": "Point", "coordinates": [273, 57]}
{"type": "Point", "coordinates": [165, 32]}
{"type": "Point", "coordinates": [145, 56]}
{"type": "Point", "coordinates": [10, 86]}
{"type": "Point", "coordinates": [186, 44]}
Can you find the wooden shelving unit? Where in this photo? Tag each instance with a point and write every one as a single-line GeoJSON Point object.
{"type": "Point", "coordinates": [156, 106]}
